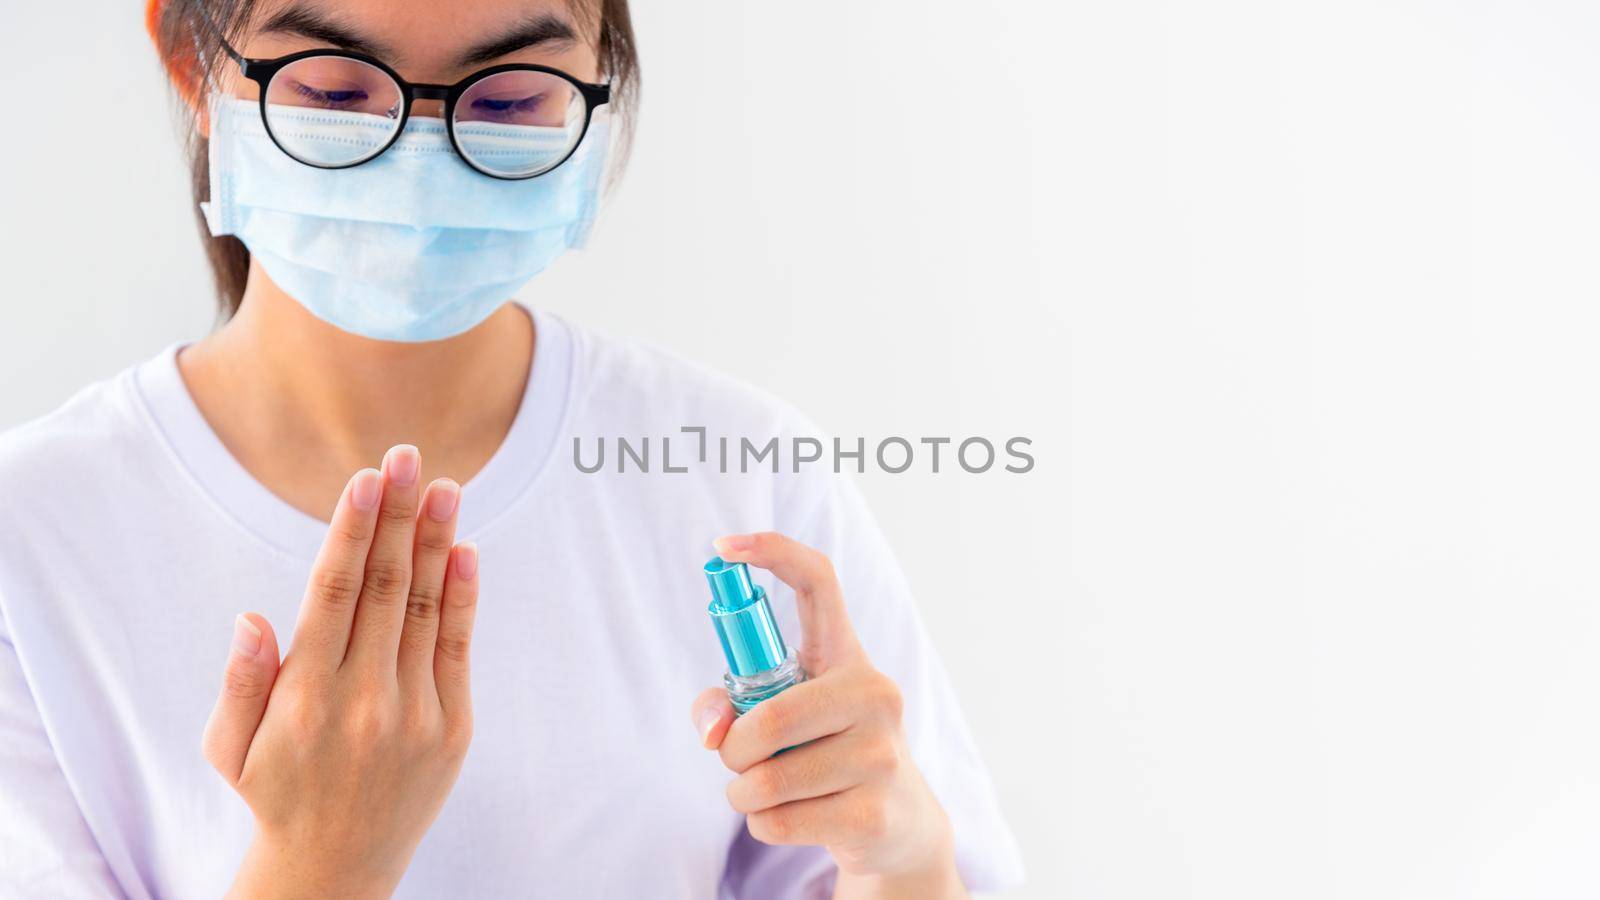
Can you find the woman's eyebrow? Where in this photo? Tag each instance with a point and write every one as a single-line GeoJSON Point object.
{"type": "Point", "coordinates": [309, 22]}
{"type": "Point", "coordinates": [537, 30]}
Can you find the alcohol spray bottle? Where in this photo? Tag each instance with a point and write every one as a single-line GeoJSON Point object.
{"type": "Point", "coordinates": [760, 665]}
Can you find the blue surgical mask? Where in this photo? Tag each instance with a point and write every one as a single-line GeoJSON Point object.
{"type": "Point", "coordinates": [412, 246]}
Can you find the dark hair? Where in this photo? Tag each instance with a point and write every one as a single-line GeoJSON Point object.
{"type": "Point", "coordinates": [190, 50]}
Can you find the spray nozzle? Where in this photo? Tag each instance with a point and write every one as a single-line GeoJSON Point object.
{"type": "Point", "coordinates": [731, 587]}
{"type": "Point", "coordinates": [744, 622]}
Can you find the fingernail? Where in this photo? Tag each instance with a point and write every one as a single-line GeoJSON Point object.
{"type": "Point", "coordinates": [442, 498]}
{"type": "Point", "coordinates": [364, 492]}
{"type": "Point", "coordinates": [733, 543]}
{"type": "Point", "coordinates": [401, 464]}
{"type": "Point", "coordinates": [246, 638]}
{"type": "Point", "coordinates": [705, 720]}
{"type": "Point", "coordinates": [466, 561]}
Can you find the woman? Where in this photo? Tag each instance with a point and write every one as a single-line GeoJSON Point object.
{"type": "Point", "coordinates": [375, 180]}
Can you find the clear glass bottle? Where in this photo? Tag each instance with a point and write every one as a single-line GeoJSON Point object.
{"type": "Point", "coordinates": [746, 691]}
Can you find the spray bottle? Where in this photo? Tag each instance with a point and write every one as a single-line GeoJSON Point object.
{"type": "Point", "coordinates": [760, 665]}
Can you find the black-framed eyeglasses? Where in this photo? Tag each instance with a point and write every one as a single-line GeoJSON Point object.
{"type": "Point", "coordinates": [334, 109]}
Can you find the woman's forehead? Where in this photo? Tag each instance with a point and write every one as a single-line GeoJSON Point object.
{"type": "Point", "coordinates": [425, 33]}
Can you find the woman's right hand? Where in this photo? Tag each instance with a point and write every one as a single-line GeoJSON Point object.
{"type": "Point", "coordinates": [346, 752]}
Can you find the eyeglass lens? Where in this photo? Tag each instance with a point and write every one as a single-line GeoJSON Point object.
{"type": "Point", "coordinates": [333, 111]}
{"type": "Point", "coordinates": [518, 124]}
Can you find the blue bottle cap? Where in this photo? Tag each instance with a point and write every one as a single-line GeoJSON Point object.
{"type": "Point", "coordinates": [744, 622]}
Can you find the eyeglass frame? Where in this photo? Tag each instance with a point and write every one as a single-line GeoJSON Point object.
{"type": "Point", "coordinates": [262, 71]}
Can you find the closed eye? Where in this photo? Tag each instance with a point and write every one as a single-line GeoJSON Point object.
{"type": "Point", "coordinates": [331, 99]}
{"type": "Point", "coordinates": [507, 106]}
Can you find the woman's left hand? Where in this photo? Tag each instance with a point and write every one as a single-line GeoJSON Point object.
{"type": "Point", "coordinates": [847, 781]}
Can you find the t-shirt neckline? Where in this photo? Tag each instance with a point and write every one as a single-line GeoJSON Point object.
{"type": "Point", "coordinates": [511, 470]}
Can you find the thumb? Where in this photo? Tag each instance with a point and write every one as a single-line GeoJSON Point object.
{"type": "Point", "coordinates": [712, 714]}
{"type": "Point", "coordinates": [826, 635]}
{"type": "Point", "coordinates": [246, 683]}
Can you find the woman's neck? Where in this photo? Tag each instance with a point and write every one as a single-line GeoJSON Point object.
{"type": "Point", "coordinates": [302, 405]}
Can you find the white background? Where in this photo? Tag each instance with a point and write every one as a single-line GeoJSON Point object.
{"type": "Point", "coordinates": [1296, 300]}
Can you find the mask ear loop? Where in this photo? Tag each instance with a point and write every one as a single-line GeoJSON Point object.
{"type": "Point", "coordinates": [208, 78]}
{"type": "Point", "coordinates": [600, 119]}
{"type": "Point", "coordinates": [209, 81]}
{"type": "Point", "coordinates": [598, 179]}
{"type": "Point", "coordinates": [209, 87]}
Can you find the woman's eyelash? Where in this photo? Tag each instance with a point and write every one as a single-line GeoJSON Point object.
{"type": "Point", "coordinates": [331, 97]}
{"type": "Point", "coordinates": [521, 104]}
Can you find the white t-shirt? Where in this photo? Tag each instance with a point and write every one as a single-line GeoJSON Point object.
{"type": "Point", "coordinates": [129, 539]}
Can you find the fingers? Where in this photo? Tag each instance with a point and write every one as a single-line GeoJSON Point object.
{"type": "Point", "coordinates": [456, 612]}
{"type": "Point", "coordinates": [712, 714]}
{"type": "Point", "coordinates": [817, 769]}
{"type": "Point", "coordinates": [386, 582]}
{"type": "Point", "coordinates": [805, 712]}
{"type": "Point", "coordinates": [430, 557]}
{"type": "Point", "coordinates": [856, 816]}
{"type": "Point", "coordinates": [246, 683]}
{"type": "Point", "coordinates": [322, 631]}
{"type": "Point", "coordinates": [826, 635]}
